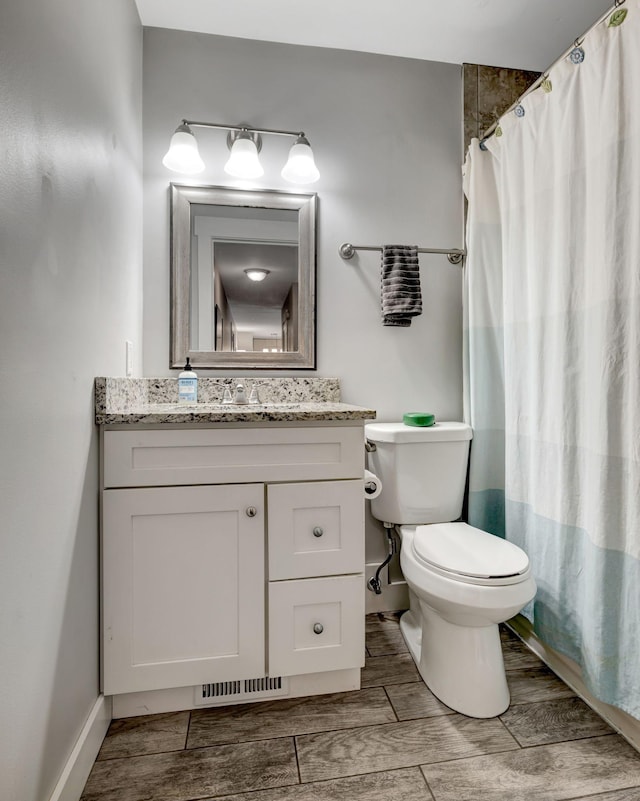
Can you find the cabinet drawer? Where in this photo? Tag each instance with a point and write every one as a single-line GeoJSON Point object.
{"type": "Point", "coordinates": [315, 529]}
{"type": "Point", "coordinates": [316, 625]}
{"type": "Point", "coordinates": [231, 455]}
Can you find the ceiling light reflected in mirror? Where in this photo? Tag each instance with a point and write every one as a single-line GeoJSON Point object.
{"type": "Point", "coordinates": [257, 274]}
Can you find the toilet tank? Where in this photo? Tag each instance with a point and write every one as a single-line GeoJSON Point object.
{"type": "Point", "coordinates": [423, 471]}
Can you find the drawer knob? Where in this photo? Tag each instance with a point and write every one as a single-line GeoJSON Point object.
{"type": "Point", "coordinates": [317, 531]}
{"type": "Point", "coordinates": [318, 628]}
{"type": "Point", "coordinates": [251, 511]}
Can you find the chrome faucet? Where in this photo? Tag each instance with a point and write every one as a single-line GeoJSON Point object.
{"type": "Point", "coordinates": [254, 397]}
{"type": "Point", "coordinates": [240, 396]}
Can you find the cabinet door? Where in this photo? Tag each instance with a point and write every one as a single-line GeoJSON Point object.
{"type": "Point", "coordinates": [183, 586]}
{"type": "Point", "coordinates": [315, 625]}
{"type": "Point", "coordinates": [315, 529]}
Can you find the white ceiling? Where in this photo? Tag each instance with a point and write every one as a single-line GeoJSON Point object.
{"type": "Point", "coordinates": [525, 34]}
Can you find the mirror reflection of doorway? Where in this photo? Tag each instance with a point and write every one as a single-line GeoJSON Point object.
{"type": "Point", "coordinates": [254, 310]}
{"type": "Point", "coordinates": [244, 279]}
{"type": "Point", "coordinates": [218, 323]}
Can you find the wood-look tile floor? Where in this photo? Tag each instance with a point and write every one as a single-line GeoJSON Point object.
{"type": "Point", "coordinates": [390, 741]}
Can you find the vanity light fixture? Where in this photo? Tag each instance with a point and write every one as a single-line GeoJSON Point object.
{"type": "Point", "coordinates": [257, 274]}
{"type": "Point", "coordinates": [243, 161]}
{"type": "Point", "coordinates": [300, 167]}
{"type": "Point", "coordinates": [244, 143]}
{"type": "Point", "coordinates": [183, 155]}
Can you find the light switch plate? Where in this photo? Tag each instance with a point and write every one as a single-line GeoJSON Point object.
{"type": "Point", "coordinates": [129, 358]}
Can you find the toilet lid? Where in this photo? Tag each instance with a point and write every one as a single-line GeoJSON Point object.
{"type": "Point", "coordinates": [468, 551]}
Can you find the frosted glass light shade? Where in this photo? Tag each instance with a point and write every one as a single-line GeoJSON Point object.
{"type": "Point", "coordinates": [183, 155]}
{"type": "Point", "coordinates": [243, 161]}
{"type": "Point", "coordinates": [257, 274]}
{"type": "Point", "coordinates": [300, 167]}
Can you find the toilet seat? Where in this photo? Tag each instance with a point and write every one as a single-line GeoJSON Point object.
{"type": "Point", "coordinates": [469, 555]}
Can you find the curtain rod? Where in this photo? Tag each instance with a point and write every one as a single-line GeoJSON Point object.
{"type": "Point", "coordinates": [489, 132]}
{"type": "Point", "coordinates": [455, 256]}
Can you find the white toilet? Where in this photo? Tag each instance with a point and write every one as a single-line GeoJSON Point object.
{"type": "Point", "coordinates": [462, 581]}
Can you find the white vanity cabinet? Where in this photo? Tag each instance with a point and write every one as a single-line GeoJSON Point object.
{"type": "Point", "coordinates": [182, 578]}
{"type": "Point", "coordinates": [231, 552]}
{"type": "Point", "coordinates": [316, 588]}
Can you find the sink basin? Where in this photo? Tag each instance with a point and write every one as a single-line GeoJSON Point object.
{"type": "Point", "coordinates": [230, 407]}
{"type": "Point", "coordinates": [271, 406]}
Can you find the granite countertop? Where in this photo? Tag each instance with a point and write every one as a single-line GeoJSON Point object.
{"type": "Point", "coordinates": [153, 401]}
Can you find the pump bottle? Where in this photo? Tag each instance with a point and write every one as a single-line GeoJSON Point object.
{"type": "Point", "coordinates": [188, 385]}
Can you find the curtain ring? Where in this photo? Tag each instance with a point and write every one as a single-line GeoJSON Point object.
{"type": "Point", "coordinates": [579, 41]}
{"type": "Point", "coordinates": [618, 3]}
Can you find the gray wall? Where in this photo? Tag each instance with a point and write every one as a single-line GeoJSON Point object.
{"type": "Point", "coordinates": [70, 294]}
{"type": "Point", "coordinates": [386, 133]}
{"type": "Point", "coordinates": [387, 136]}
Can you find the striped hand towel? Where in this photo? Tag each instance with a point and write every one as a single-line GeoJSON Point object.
{"type": "Point", "coordinates": [400, 285]}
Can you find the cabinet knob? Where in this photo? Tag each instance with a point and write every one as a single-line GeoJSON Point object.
{"type": "Point", "coordinates": [317, 531]}
{"type": "Point", "coordinates": [318, 628]}
{"type": "Point", "coordinates": [251, 511]}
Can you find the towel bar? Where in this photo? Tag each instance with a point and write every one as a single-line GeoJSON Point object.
{"type": "Point", "coordinates": [455, 256]}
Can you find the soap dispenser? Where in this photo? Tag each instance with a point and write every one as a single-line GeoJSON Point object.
{"type": "Point", "coordinates": [188, 385]}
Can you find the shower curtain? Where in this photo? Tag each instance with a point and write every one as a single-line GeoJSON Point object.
{"type": "Point", "coordinates": [553, 350]}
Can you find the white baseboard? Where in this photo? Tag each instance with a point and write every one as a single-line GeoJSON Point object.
{"type": "Point", "coordinates": [78, 767]}
{"type": "Point", "coordinates": [626, 725]}
{"type": "Point", "coordinates": [394, 596]}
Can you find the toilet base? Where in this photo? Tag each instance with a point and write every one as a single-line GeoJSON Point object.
{"type": "Point", "coordinates": [412, 634]}
{"type": "Point", "coordinates": [465, 669]}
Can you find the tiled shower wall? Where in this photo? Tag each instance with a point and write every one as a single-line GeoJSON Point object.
{"type": "Point", "coordinates": [488, 93]}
